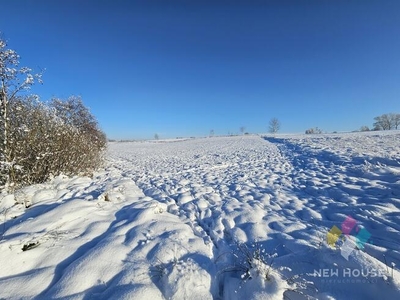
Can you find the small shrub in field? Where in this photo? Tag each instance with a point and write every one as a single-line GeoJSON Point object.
{"type": "Point", "coordinates": [315, 130]}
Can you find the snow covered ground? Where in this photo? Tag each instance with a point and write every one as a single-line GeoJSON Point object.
{"type": "Point", "coordinates": [248, 217]}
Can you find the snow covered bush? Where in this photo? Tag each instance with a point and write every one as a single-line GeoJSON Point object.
{"type": "Point", "coordinates": [258, 278]}
{"type": "Point", "coordinates": [364, 128]}
{"type": "Point", "coordinates": [315, 130]}
{"type": "Point", "coordinates": [87, 141]}
{"type": "Point", "coordinates": [38, 140]}
{"type": "Point", "coordinates": [50, 139]}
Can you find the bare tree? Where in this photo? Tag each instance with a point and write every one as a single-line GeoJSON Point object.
{"type": "Point", "coordinates": [383, 122]}
{"type": "Point", "coordinates": [13, 80]}
{"type": "Point", "coordinates": [396, 121]}
{"type": "Point", "coordinates": [242, 129]}
{"type": "Point", "coordinates": [364, 128]}
{"type": "Point", "coordinates": [274, 125]}
{"type": "Point", "coordinates": [156, 136]}
{"type": "Point", "coordinates": [212, 132]}
{"type": "Point", "coordinates": [387, 122]}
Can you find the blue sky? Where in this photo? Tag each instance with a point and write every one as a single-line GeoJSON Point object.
{"type": "Point", "coordinates": [181, 68]}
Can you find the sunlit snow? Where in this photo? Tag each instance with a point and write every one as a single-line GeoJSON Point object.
{"type": "Point", "coordinates": [243, 217]}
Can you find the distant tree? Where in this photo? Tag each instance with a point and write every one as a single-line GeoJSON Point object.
{"type": "Point", "coordinates": [364, 128]}
{"type": "Point", "coordinates": [242, 129]}
{"type": "Point", "coordinates": [382, 122]}
{"type": "Point", "coordinates": [274, 125]}
{"type": "Point", "coordinates": [211, 132]}
{"type": "Point", "coordinates": [377, 126]}
{"type": "Point", "coordinates": [387, 122]}
{"type": "Point", "coordinates": [396, 121]}
{"type": "Point", "coordinates": [156, 136]}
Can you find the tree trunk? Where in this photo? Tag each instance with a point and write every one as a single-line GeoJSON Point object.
{"type": "Point", "coordinates": [5, 146]}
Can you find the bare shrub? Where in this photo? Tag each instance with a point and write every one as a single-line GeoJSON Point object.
{"type": "Point", "coordinates": [50, 139]}
{"type": "Point", "coordinates": [38, 140]}
{"type": "Point", "coordinates": [315, 130]}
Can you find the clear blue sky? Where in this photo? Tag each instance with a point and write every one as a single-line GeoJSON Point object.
{"type": "Point", "coordinates": [181, 68]}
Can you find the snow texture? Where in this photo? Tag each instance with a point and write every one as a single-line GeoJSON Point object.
{"type": "Point", "coordinates": [244, 217]}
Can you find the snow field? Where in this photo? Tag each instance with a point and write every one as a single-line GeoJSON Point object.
{"type": "Point", "coordinates": [216, 218]}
